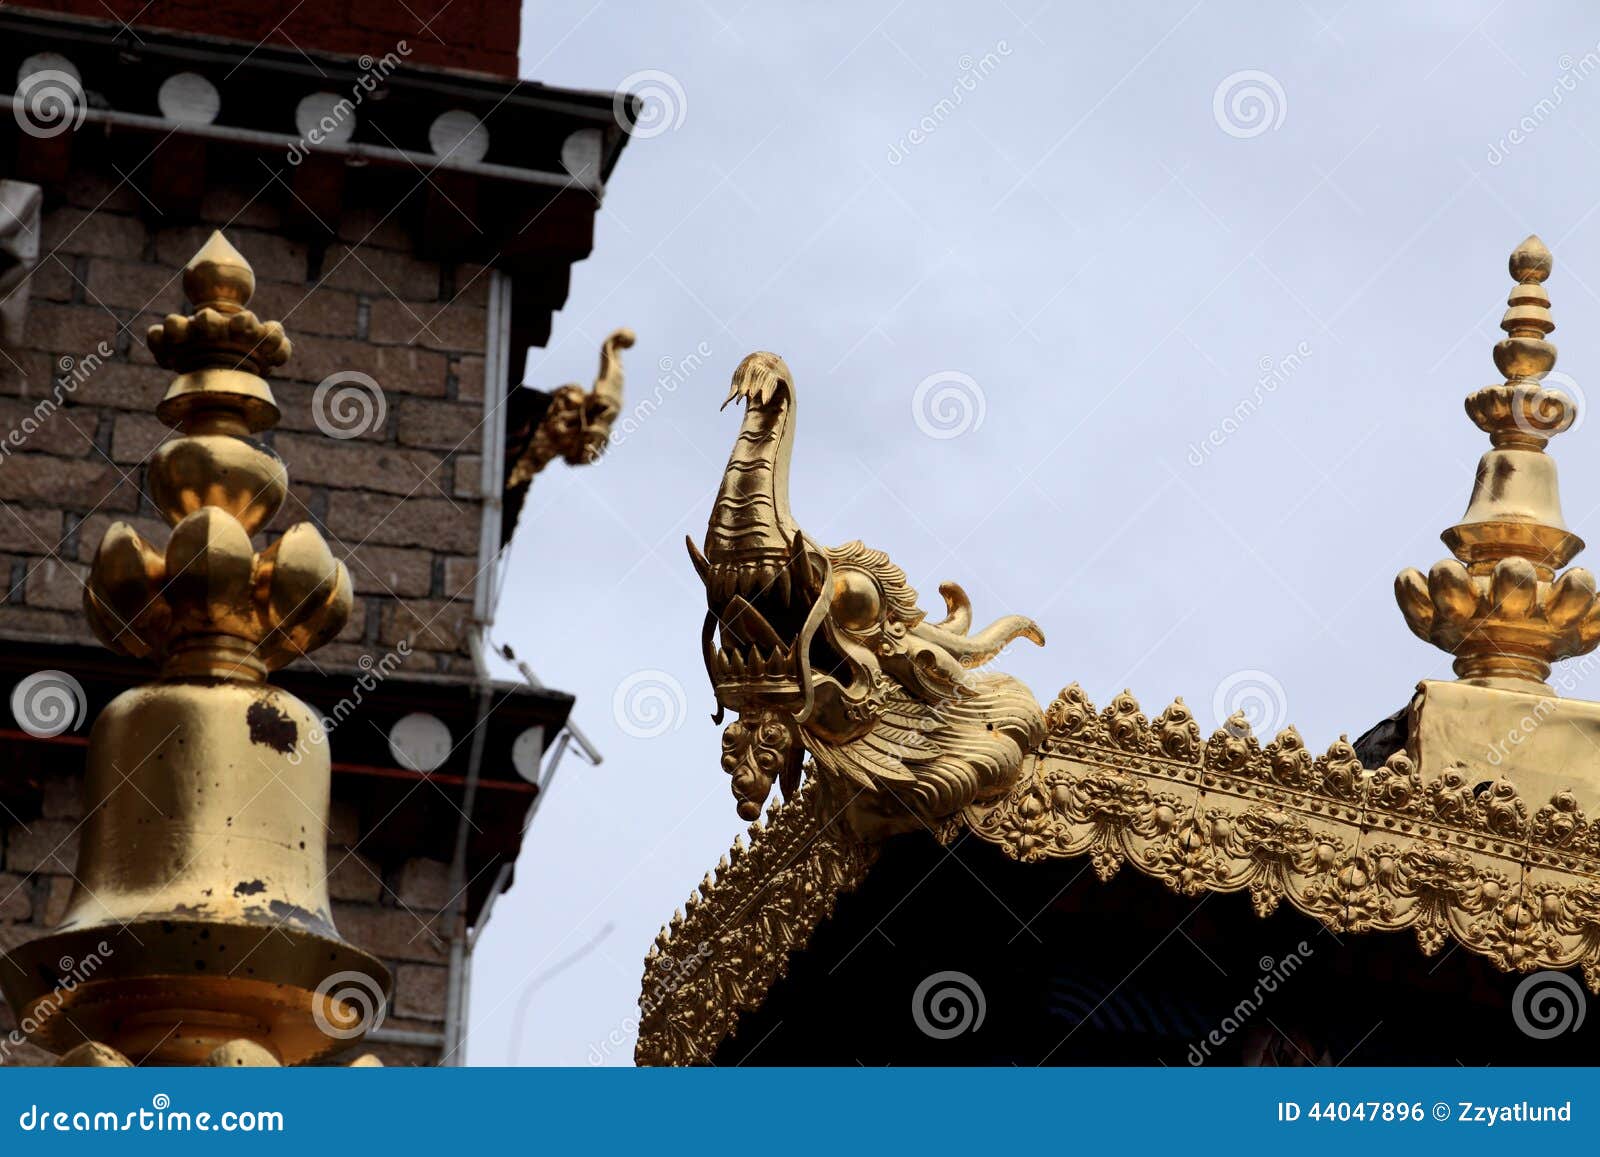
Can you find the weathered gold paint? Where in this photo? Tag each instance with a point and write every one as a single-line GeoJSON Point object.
{"type": "Point", "coordinates": [201, 893]}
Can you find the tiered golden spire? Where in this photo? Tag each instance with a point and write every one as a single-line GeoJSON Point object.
{"type": "Point", "coordinates": [202, 890]}
{"type": "Point", "coordinates": [209, 605]}
{"type": "Point", "coordinates": [1499, 606]}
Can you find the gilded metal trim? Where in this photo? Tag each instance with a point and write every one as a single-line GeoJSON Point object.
{"type": "Point", "coordinates": [1360, 849]}
{"type": "Point", "coordinates": [731, 942]}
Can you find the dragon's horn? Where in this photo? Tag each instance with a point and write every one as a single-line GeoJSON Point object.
{"type": "Point", "coordinates": [958, 608]}
{"type": "Point", "coordinates": [976, 650]}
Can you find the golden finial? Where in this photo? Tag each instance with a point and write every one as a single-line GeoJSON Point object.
{"type": "Point", "coordinates": [225, 611]}
{"type": "Point", "coordinates": [219, 276]}
{"type": "Point", "coordinates": [221, 333]}
{"type": "Point", "coordinates": [1498, 606]}
{"type": "Point", "coordinates": [1521, 411]}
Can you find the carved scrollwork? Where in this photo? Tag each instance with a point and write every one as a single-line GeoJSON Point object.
{"type": "Point", "coordinates": [1177, 735]}
{"type": "Point", "coordinates": [1359, 849]}
{"type": "Point", "coordinates": [1071, 715]}
{"type": "Point", "coordinates": [731, 942]}
{"type": "Point", "coordinates": [1560, 824]}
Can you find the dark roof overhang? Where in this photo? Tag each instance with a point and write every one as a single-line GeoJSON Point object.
{"type": "Point", "coordinates": [526, 206]}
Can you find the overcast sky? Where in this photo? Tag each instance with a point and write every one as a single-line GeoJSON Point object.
{"type": "Point", "coordinates": [1104, 245]}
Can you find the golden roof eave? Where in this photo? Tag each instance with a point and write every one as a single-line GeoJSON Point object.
{"type": "Point", "coordinates": [1511, 879]}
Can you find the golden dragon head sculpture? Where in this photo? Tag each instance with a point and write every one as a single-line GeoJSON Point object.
{"type": "Point", "coordinates": [824, 650]}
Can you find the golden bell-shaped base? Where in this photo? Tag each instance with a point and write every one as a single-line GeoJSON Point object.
{"type": "Point", "coordinates": [201, 914]}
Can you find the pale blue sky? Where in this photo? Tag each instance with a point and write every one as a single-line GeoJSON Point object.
{"type": "Point", "coordinates": [1114, 272]}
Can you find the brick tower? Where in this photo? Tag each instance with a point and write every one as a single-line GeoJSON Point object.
{"type": "Point", "coordinates": [411, 212]}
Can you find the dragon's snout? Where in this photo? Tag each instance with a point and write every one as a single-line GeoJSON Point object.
{"type": "Point", "coordinates": [759, 379]}
{"type": "Point", "coordinates": [762, 609]}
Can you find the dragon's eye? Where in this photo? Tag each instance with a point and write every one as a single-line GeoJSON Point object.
{"type": "Point", "coordinates": [856, 601]}
{"type": "Point", "coordinates": [773, 734]}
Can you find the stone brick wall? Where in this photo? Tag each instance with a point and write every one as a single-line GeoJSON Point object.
{"type": "Point", "coordinates": [400, 503]}
{"type": "Point", "coordinates": [480, 37]}
{"type": "Point", "coordinates": [396, 911]}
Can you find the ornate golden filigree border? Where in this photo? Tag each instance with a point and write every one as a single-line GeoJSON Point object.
{"type": "Point", "coordinates": [731, 942]}
{"type": "Point", "coordinates": [1360, 849]}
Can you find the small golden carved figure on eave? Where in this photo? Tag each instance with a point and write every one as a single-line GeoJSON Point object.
{"type": "Point", "coordinates": [577, 426]}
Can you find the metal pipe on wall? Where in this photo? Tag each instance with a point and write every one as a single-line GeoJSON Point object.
{"type": "Point", "coordinates": [496, 382]}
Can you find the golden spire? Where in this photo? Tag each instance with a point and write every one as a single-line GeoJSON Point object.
{"type": "Point", "coordinates": [1498, 606]}
{"type": "Point", "coordinates": [202, 892]}
{"type": "Point", "coordinates": [209, 605]}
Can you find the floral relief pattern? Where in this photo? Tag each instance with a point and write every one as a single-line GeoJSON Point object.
{"type": "Point", "coordinates": [731, 942]}
{"type": "Point", "coordinates": [1359, 849]}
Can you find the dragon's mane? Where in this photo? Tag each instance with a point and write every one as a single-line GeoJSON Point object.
{"type": "Point", "coordinates": [897, 592]}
